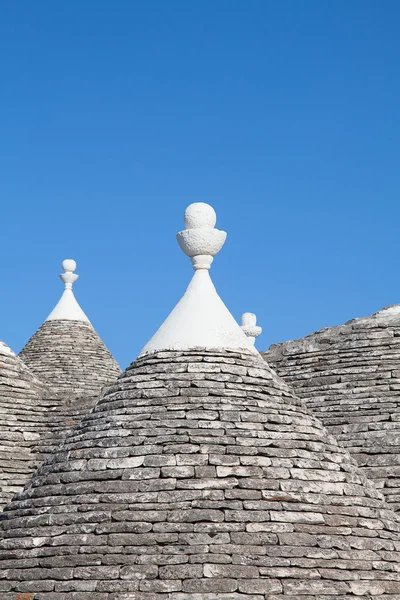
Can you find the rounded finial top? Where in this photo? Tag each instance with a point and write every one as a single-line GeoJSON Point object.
{"type": "Point", "coordinates": [69, 265]}
{"type": "Point", "coordinates": [199, 215]}
{"type": "Point", "coordinates": [249, 319]}
{"type": "Point", "coordinates": [201, 240]}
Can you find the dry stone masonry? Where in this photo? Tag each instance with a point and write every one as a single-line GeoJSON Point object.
{"type": "Point", "coordinates": [350, 378]}
{"type": "Point", "coordinates": [68, 366]}
{"type": "Point", "coordinates": [25, 406]}
{"type": "Point", "coordinates": [34, 419]}
{"type": "Point", "coordinates": [200, 476]}
{"type": "Point", "coordinates": [66, 352]}
{"type": "Point", "coordinates": [70, 358]}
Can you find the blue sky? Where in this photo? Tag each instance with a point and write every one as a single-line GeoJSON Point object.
{"type": "Point", "coordinates": [115, 115]}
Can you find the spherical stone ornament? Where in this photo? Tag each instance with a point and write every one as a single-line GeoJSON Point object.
{"type": "Point", "coordinates": [69, 265]}
{"type": "Point", "coordinates": [200, 215]}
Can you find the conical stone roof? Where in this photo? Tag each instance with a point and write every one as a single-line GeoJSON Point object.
{"type": "Point", "coordinates": [350, 377]}
{"type": "Point", "coordinates": [24, 409]}
{"type": "Point", "coordinates": [33, 422]}
{"type": "Point", "coordinates": [199, 472]}
{"type": "Point", "coordinates": [66, 352]}
{"type": "Point", "coordinates": [200, 476]}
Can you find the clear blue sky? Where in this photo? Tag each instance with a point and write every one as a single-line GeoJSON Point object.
{"type": "Point", "coordinates": [114, 115]}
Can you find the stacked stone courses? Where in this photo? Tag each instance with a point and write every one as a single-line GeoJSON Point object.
{"type": "Point", "coordinates": [199, 476]}
{"type": "Point", "coordinates": [25, 404]}
{"type": "Point", "coordinates": [33, 422]}
{"type": "Point", "coordinates": [71, 358]}
{"type": "Point", "coordinates": [350, 377]}
{"type": "Point", "coordinates": [40, 405]}
{"type": "Point", "coordinates": [43, 394]}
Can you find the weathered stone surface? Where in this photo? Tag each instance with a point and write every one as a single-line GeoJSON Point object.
{"type": "Point", "coordinates": [25, 406]}
{"type": "Point", "coordinates": [70, 358]}
{"type": "Point", "coordinates": [349, 377]}
{"type": "Point", "coordinates": [40, 403]}
{"type": "Point", "coordinates": [235, 494]}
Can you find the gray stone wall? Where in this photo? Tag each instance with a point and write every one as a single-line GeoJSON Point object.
{"type": "Point", "coordinates": [350, 378]}
{"type": "Point", "coordinates": [199, 476]}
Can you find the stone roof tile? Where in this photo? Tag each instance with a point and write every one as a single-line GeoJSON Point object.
{"type": "Point", "coordinates": [66, 352]}
{"type": "Point", "coordinates": [24, 409]}
{"type": "Point", "coordinates": [189, 482]}
{"type": "Point", "coordinates": [350, 377]}
{"type": "Point", "coordinates": [199, 475]}
{"type": "Point", "coordinates": [70, 357]}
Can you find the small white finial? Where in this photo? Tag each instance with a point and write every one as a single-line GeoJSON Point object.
{"type": "Point", "coordinates": [67, 307]}
{"type": "Point", "coordinates": [200, 240]}
{"type": "Point", "coordinates": [250, 328]}
{"type": "Point", "coordinates": [68, 277]}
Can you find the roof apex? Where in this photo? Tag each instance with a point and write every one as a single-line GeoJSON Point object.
{"type": "Point", "coordinates": [67, 307]}
{"type": "Point", "coordinates": [200, 319]}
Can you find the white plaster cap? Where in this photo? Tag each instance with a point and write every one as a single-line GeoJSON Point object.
{"type": "Point", "coordinates": [200, 319]}
{"type": "Point", "coordinates": [67, 307]}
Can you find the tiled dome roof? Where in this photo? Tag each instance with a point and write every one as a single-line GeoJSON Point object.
{"type": "Point", "coordinates": [199, 476]}
{"type": "Point", "coordinates": [71, 358]}
{"type": "Point", "coordinates": [33, 422]}
{"type": "Point", "coordinates": [63, 368]}
{"type": "Point", "coordinates": [66, 352]}
{"type": "Point", "coordinates": [23, 413]}
{"type": "Point", "coordinates": [350, 377]}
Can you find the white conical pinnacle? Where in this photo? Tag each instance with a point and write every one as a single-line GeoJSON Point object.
{"type": "Point", "coordinates": [68, 308]}
{"type": "Point", "coordinates": [200, 319]}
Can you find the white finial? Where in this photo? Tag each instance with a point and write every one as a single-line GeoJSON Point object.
{"type": "Point", "coordinates": [250, 328]}
{"type": "Point", "coordinates": [200, 319]}
{"type": "Point", "coordinates": [67, 307]}
{"type": "Point", "coordinates": [68, 277]}
{"type": "Point", "coordinates": [200, 240]}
